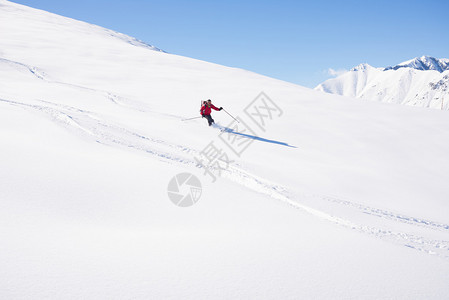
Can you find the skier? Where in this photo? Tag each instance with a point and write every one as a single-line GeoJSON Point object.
{"type": "Point", "coordinates": [206, 110]}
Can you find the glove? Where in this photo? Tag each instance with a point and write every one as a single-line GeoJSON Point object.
{"type": "Point", "coordinates": [220, 108]}
{"type": "Point", "coordinates": [202, 116]}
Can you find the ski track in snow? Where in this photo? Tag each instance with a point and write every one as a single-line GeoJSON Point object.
{"type": "Point", "coordinates": [91, 126]}
{"type": "Point", "coordinates": [387, 214]}
{"type": "Point", "coordinates": [114, 98]}
{"type": "Point", "coordinates": [33, 70]}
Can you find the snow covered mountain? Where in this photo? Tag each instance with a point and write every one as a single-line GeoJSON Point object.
{"type": "Point", "coordinates": [424, 63]}
{"type": "Point", "coordinates": [316, 197]}
{"type": "Point", "coordinates": [422, 81]}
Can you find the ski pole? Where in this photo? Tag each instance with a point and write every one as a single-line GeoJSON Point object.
{"type": "Point", "coordinates": [231, 115]}
{"type": "Point", "coordinates": [190, 118]}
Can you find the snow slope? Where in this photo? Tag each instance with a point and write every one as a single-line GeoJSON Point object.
{"type": "Point", "coordinates": [422, 81]}
{"type": "Point", "coordinates": [333, 199]}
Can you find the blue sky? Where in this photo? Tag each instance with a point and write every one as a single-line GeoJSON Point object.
{"type": "Point", "coordinates": [296, 41]}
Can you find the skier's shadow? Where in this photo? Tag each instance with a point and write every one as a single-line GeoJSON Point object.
{"type": "Point", "coordinates": [257, 138]}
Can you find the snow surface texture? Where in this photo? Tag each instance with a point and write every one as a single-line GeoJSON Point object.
{"type": "Point", "coordinates": [423, 81]}
{"type": "Point", "coordinates": [333, 199]}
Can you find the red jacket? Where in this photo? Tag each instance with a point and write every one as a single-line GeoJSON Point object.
{"type": "Point", "coordinates": [205, 109]}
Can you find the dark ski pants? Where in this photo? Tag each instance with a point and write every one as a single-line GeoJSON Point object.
{"type": "Point", "coordinates": [209, 119]}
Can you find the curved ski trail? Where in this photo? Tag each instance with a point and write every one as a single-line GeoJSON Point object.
{"type": "Point", "coordinates": [91, 126]}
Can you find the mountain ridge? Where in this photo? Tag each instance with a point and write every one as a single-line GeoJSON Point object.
{"type": "Point", "coordinates": [422, 81]}
{"type": "Point", "coordinates": [423, 63]}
